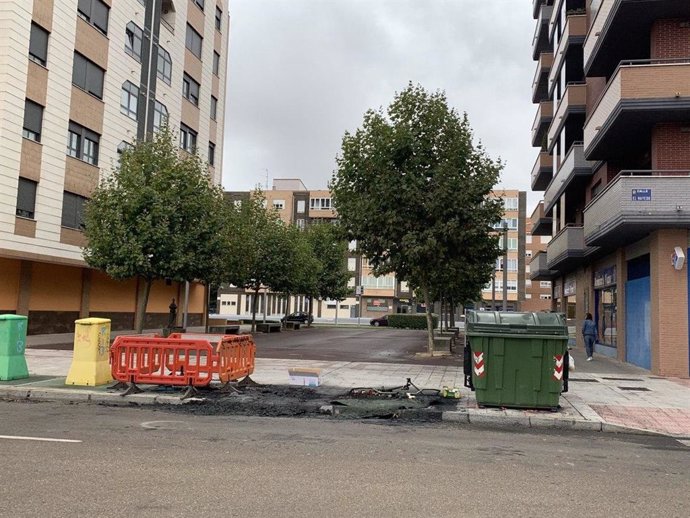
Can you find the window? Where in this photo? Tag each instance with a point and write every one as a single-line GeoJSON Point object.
{"type": "Point", "coordinates": [512, 243]}
{"type": "Point", "coordinates": [528, 253]}
{"type": "Point", "coordinates": [193, 41]}
{"type": "Point", "coordinates": [133, 40]}
{"type": "Point", "coordinates": [512, 265]}
{"type": "Point", "coordinates": [26, 198]}
{"type": "Point", "coordinates": [544, 297]}
{"type": "Point", "coordinates": [511, 223]}
{"type": "Point", "coordinates": [216, 63]}
{"type": "Point", "coordinates": [545, 239]}
{"type": "Point", "coordinates": [160, 115]}
{"type": "Point", "coordinates": [214, 108]}
{"type": "Point", "coordinates": [383, 282]}
{"type": "Point", "coordinates": [95, 12]}
{"type": "Point", "coordinates": [528, 296]}
{"type": "Point", "coordinates": [212, 156]}
{"type": "Point", "coordinates": [279, 204]}
{"type": "Point", "coordinates": [128, 100]}
{"type": "Point", "coordinates": [73, 210]}
{"type": "Point", "coordinates": [38, 45]}
{"type": "Point", "coordinates": [164, 65]}
{"type": "Point", "coordinates": [187, 138]}
{"type": "Point", "coordinates": [219, 18]}
{"type": "Point", "coordinates": [301, 205]}
{"type": "Point", "coordinates": [544, 284]}
{"type": "Point", "coordinates": [320, 203]}
{"type": "Point", "coordinates": [87, 75]}
{"type": "Point", "coordinates": [510, 204]}
{"type": "Point", "coordinates": [300, 223]}
{"type": "Point", "coordinates": [199, 3]}
{"type": "Point", "coordinates": [528, 239]}
{"type": "Point", "coordinates": [33, 120]}
{"type": "Point", "coordinates": [82, 143]}
{"type": "Point", "coordinates": [190, 90]}
{"type": "Point", "coordinates": [351, 264]}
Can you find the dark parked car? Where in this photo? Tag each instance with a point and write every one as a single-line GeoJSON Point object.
{"type": "Point", "coordinates": [299, 316]}
{"type": "Point", "coordinates": [381, 321]}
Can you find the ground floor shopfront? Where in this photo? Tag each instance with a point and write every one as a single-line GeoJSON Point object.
{"type": "Point", "coordinates": [53, 296]}
{"type": "Point", "coordinates": [638, 296]}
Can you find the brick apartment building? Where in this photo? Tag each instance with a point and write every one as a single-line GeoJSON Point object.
{"type": "Point", "coordinates": [613, 125]}
{"type": "Point", "coordinates": [537, 292]}
{"type": "Point", "coordinates": [80, 80]}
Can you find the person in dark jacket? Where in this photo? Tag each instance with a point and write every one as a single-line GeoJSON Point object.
{"type": "Point", "coordinates": [589, 332]}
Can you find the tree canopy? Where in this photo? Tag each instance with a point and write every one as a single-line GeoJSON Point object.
{"type": "Point", "coordinates": [157, 216]}
{"type": "Point", "coordinates": [413, 189]}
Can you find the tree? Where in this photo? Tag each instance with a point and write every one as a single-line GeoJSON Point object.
{"type": "Point", "coordinates": [330, 250]}
{"type": "Point", "coordinates": [158, 216]}
{"type": "Point", "coordinates": [260, 251]}
{"type": "Point", "coordinates": [413, 189]}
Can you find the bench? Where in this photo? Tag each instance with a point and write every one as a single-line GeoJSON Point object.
{"type": "Point", "coordinates": [268, 327]}
{"type": "Point", "coordinates": [292, 325]}
{"type": "Point", "coordinates": [443, 343]}
{"type": "Point", "coordinates": [223, 326]}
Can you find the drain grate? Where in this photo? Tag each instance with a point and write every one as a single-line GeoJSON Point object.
{"type": "Point", "coordinates": [584, 380]}
{"type": "Point", "coordinates": [641, 389]}
{"type": "Point", "coordinates": [621, 379]}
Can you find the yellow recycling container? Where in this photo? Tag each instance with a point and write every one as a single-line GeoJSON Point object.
{"type": "Point", "coordinates": [90, 365]}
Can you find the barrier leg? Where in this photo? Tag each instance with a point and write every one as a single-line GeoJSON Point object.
{"type": "Point", "coordinates": [191, 391]}
{"type": "Point", "coordinates": [132, 389]}
{"type": "Point", "coordinates": [120, 385]}
{"type": "Point", "coordinates": [227, 387]}
{"type": "Point", "coordinates": [248, 382]}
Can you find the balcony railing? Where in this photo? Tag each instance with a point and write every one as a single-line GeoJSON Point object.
{"type": "Point", "coordinates": [661, 83]}
{"type": "Point", "coordinates": [636, 203]}
{"type": "Point", "coordinates": [566, 249]}
{"type": "Point", "coordinates": [540, 41]}
{"type": "Point", "coordinates": [573, 34]}
{"type": "Point", "coordinates": [540, 87]}
{"type": "Point", "coordinates": [574, 100]}
{"type": "Point", "coordinates": [542, 171]}
{"type": "Point", "coordinates": [538, 269]}
{"type": "Point", "coordinates": [573, 165]}
{"type": "Point", "coordinates": [542, 119]}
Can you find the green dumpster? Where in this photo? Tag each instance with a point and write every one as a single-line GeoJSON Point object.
{"type": "Point", "coordinates": [12, 347]}
{"type": "Point", "coordinates": [516, 359]}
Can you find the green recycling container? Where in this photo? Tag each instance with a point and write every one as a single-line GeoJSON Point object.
{"type": "Point", "coordinates": [517, 359]}
{"type": "Point", "coordinates": [12, 347]}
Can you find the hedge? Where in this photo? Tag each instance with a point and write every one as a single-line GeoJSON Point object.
{"type": "Point", "coordinates": [410, 321]}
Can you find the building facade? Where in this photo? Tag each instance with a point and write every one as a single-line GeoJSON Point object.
{"type": "Point", "coordinates": [537, 292]}
{"type": "Point", "coordinates": [613, 127]}
{"type": "Point", "coordinates": [515, 219]}
{"type": "Point", "coordinates": [80, 80]}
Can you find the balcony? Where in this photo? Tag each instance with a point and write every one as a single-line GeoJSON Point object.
{"type": "Point", "coordinates": [636, 203]}
{"type": "Point", "coordinates": [639, 95]}
{"type": "Point", "coordinates": [566, 249]}
{"type": "Point", "coordinates": [536, 6]}
{"type": "Point", "coordinates": [540, 42]}
{"type": "Point", "coordinates": [540, 83]}
{"type": "Point", "coordinates": [573, 169]}
{"type": "Point", "coordinates": [541, 223]}
{"type": "Point", "coordinates": [538, 271]}
{"type": "Point", "coordinates": [542, 171]}
{"type": "Point", "coordinates": [571, 40]}
{"type": "Point", "coordinates": [541, 123]}
{"type": "Point", "coordinates": [573, 102]}
{"type": "Point", "coordinates": [609, 40]}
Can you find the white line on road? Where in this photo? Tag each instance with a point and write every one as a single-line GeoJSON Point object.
{"type": "Point", "coordinates": [42, 439]}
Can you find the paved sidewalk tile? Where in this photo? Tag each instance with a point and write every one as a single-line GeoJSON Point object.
{"type": "Point", "coordinates": [673, 421]}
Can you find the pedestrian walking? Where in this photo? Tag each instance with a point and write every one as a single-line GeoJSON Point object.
{"type": "Point", "coordinates": [589, 332]}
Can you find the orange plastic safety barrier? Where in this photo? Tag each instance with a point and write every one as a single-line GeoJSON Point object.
{"type": "Point", "coordinates": [182, 360]}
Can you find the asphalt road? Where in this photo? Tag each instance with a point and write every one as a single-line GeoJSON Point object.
{"type": "Point", "coordinates": [141, 462]}
{"type": "Point", "coordinates": [356, 344]}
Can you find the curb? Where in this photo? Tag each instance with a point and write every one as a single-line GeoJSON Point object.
{"type": "Point", "coordinates": [62, 395]}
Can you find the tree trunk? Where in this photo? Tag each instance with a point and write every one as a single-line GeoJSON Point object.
{"type": "Point", "coordinates": [142, 302]}
{"type": "Point", "coordinates": [429, 321]}
{"type": "Point", "coordinates": [255, 300]}
{"type": "Point", "coordinates": [452, 312]}
{"type": "Point", "coordinates": [311, 310]}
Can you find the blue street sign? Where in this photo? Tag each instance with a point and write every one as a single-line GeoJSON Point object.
{"type": "Point", "coordinates": [641, 195]}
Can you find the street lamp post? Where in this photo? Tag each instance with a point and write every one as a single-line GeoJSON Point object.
{"type": "Point", "coordinates": [505, 266]}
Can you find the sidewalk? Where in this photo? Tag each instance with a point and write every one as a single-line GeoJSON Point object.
{"type": "Point", "coordinates": [605, 395]}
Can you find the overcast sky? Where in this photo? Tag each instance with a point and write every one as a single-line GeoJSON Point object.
{"type": "Point", "coordinates": [302, 72]}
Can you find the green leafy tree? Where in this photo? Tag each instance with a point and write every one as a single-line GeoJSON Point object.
{"type": "Point", "coordinates": [330, 250]}
{"type": "Point", "coordinates": [413, 189]}
{"type": "Point", "coordinates": [158, 216]}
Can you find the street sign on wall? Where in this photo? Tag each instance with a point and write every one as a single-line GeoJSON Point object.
{"type": "Point", "coordinates": [641, 195]}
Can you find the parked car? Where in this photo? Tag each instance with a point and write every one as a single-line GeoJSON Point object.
{"type": "Point", "coordinates": [381, 321]}
{"type": "Point", "coordinates": [299, 316]}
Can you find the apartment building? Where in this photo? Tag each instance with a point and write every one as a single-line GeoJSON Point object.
{"type": "Point", "coordinates": [613, 128]}
{"type": "Point", "coordinates": [515, 219]}
{"type": "Point", "coordinates": [80, 80]}
{"type": "Point", "coordinates": [300, 206]}
{"type": "Point", "coordinates": [538, 292]}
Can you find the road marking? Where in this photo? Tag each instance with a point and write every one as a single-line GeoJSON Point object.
{"type": "Point", "coordinates": [41, 439]}
{"type": "Point", "coordinates": [163, 425]}
{"type": "Point", "coordinates": [684, 442]}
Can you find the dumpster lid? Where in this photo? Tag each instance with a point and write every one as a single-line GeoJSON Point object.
{"type": "Point", "coordinates": [11, 316]}
{"type": "Point", "coordinates": [506, 322]}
